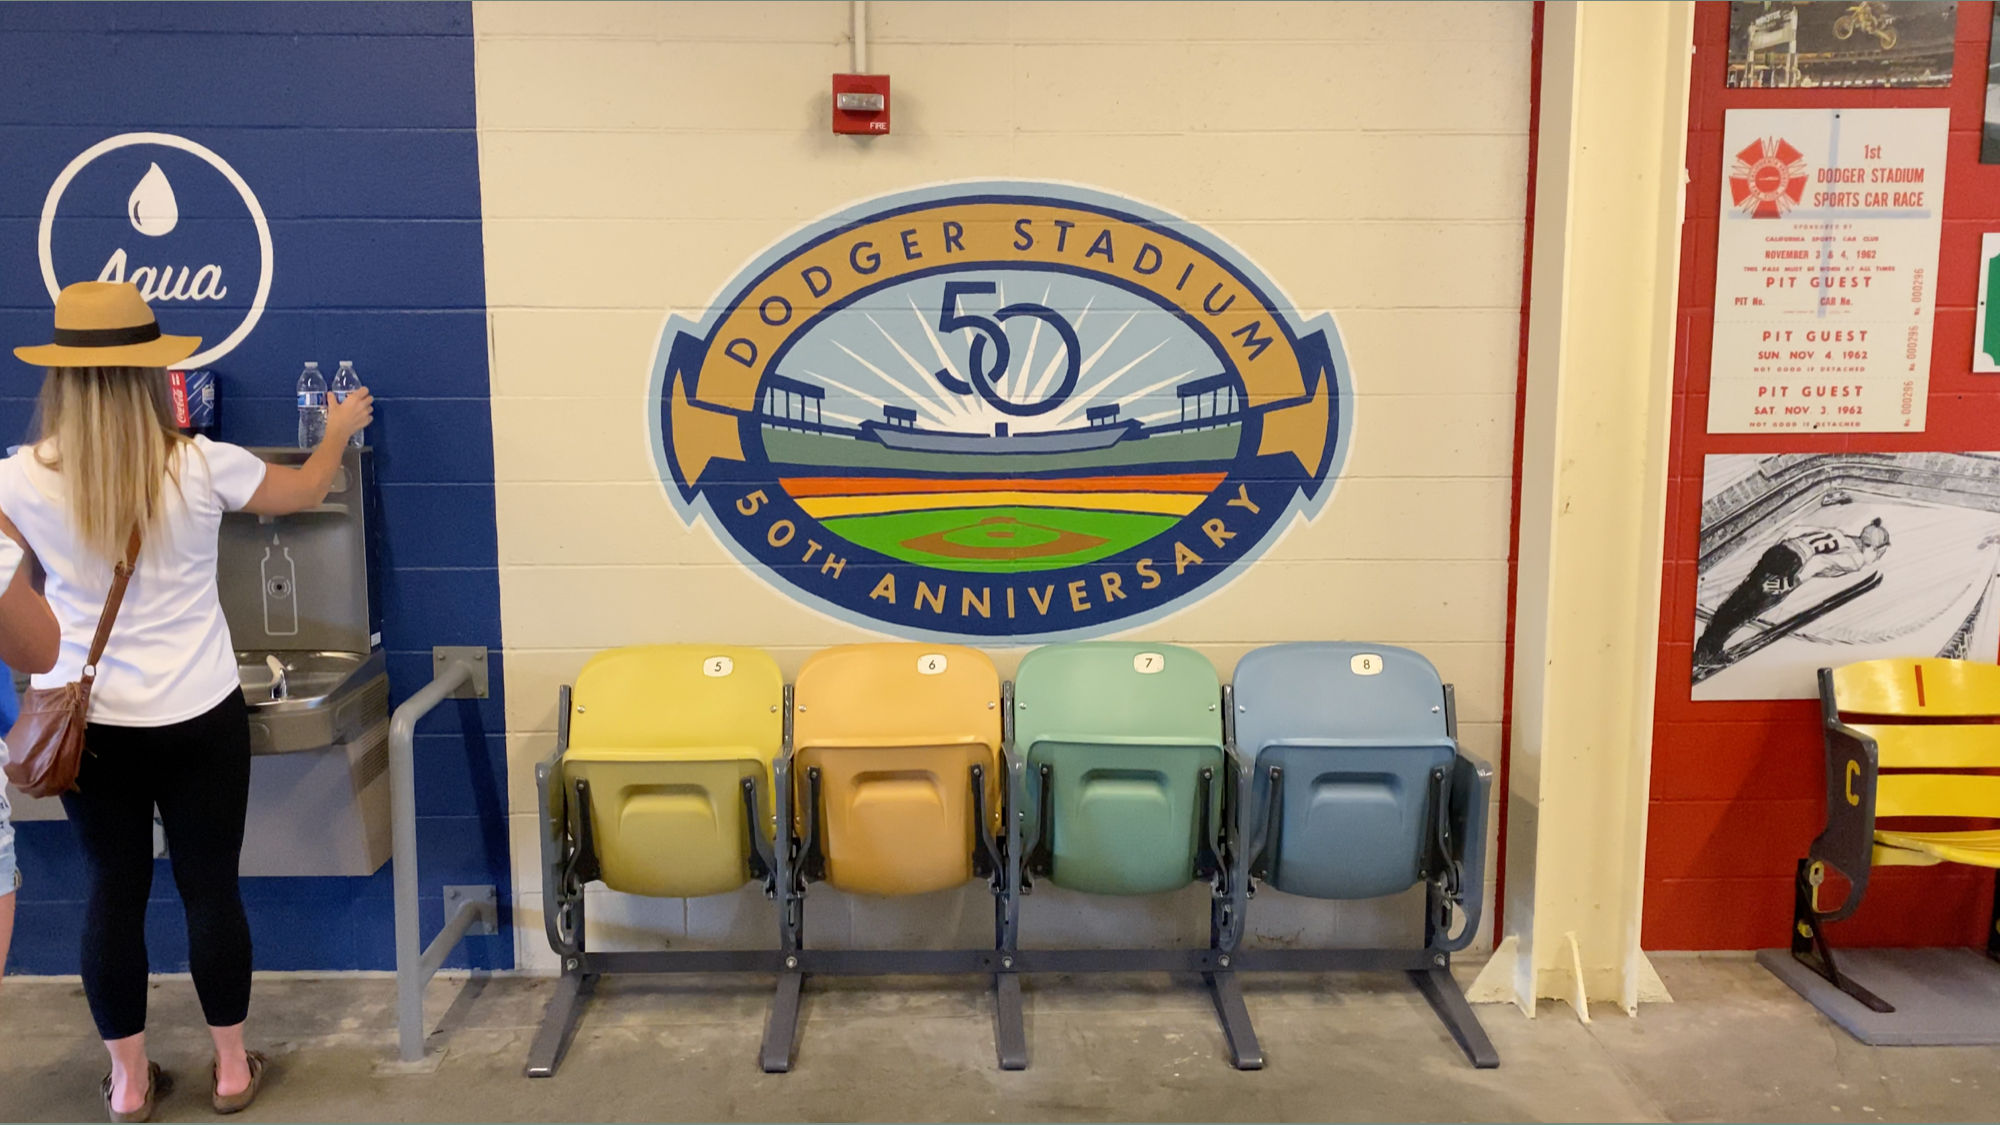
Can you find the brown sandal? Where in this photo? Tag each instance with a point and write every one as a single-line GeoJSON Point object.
{"type": "Point", "coordinates": [240, 1101]}
{"type": "Point", "coordinates": [158, 1084]}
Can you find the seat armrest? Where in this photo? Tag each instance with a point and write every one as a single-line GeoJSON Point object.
{"type": "Point", "coordinates": [1471, 796]}
{"type": "Point", "coordinates": [785, 839]}
{"type": "Point", "coordinates": [1234, 818]}
{"type": "Point", "coordinates": [553, 801]}
{"type": "Point", "coordinates": [1236, 854]}
{"type": "Point", "coordinates": [548, 772]}
{"type": "Point", "coordinates": [1848, 842]}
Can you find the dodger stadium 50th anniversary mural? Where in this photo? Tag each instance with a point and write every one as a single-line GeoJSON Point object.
{"type": "Point", "coordinates": [1003, 409]}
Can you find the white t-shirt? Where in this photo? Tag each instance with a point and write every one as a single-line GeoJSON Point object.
{"type": "Point", "coordinates": [170, 657]}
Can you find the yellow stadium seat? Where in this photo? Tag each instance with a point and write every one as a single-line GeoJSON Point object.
{"type": "Point", "coordinates": [1907, 739]}
{"type": "Point", "coordinates": [886, 739]}
{"type": "Point", "coordinates": [664, 738]}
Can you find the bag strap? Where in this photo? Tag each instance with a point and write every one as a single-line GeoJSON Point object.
{"type": "Point", "coordinates": [121, 576]}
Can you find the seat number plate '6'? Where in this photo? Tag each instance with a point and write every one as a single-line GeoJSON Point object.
{"type": "Point", "coordinates": [718, 666]}
{"type": "Point", "coordinates": [1148, 663]}
{"type": "Point", "coordinates": [931, 664]}
{"type": "Point", "coordinates": [1366, 664]}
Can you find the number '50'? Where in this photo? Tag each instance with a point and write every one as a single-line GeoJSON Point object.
{"type": "Point", "coordinates": [981, 377]}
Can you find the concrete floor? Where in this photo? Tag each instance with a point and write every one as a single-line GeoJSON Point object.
{"type": "Point", "coordinates": [1737, 1046]}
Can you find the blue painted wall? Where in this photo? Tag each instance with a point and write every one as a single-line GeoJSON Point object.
{"type": "Point", "coordinates": [354, 126]}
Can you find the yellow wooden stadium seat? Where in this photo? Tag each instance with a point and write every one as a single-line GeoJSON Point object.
{"type": "Point", "coordinates": [1907, 740]}
{"type": "Point", "coordinates": [888, 735]}
{"type": "Point", "coordinates": [1897, 704]}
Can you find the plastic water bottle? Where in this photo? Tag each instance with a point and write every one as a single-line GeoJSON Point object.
{"type": "Point", "coordinates": [312, 407]}
{"type": "Point", "coordinates": [344, 382]}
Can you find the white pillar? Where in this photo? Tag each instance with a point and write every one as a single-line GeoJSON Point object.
{"type": "Point", "coordinates": [1608, 208]}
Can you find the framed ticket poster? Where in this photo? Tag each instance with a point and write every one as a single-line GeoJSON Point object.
{"type": "Point", "coordinates": [1826, 269]}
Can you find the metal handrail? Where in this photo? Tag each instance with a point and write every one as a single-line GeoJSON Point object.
{"type": "Point", "coordinates": [417, 963]}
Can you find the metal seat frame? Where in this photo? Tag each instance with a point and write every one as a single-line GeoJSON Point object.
{"type": "Point", "coordinates": [802, 862]}
{"type": "Point", "coordinates": [1445, 885]}
{"type": "Point", "coordinates": [1227, 861]}
{"type": "Point", "coordinates": [569, 861]}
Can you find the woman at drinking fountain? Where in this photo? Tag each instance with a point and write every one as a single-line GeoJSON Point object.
{"type": "Point", "coordinates": [168, 725]}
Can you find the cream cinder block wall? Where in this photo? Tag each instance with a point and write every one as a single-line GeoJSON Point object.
{"type": "Point", "coordinates": [1371, 158]}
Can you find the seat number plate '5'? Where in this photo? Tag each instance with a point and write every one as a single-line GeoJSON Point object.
{"type": "Point", "coordinates": [1148, 663]}
{"type": "Point", "coordinates": [931, 664]}
{"type": "Point", "coordinates": [718, 666]}
{"type": "Point", "coordinates": [1366, 664]}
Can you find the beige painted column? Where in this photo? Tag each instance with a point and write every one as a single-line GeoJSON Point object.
{"type": "Point", "coordinates": [1608, 210]}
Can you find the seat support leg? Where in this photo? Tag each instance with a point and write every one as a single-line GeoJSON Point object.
{"type": "Point", "coordinates": [559, 1019]}
{"type": "Point", "coordinates": [781, 1029]}
{"type": "Point", "coordinates": [1448, 1002]}
{"type": "Point", "coordinates": [1809, 946]}
{"type": "Point", "coordinates": [1010, 1032]}
{"type": "Point", "coordinates": [1245, 1053]}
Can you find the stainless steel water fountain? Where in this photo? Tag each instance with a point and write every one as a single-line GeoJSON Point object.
{"type": "Point", "coordinates": [304, 609]}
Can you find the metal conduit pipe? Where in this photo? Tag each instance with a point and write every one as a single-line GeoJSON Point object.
{"type": "Point", "coordinates": [860, 35]}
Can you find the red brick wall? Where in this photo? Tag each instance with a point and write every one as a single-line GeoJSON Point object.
{"type": "Point", "coordinates": [1736, 786]}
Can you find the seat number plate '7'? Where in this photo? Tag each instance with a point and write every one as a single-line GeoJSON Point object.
{"type": "Point", "coordinates": [717, 666]}
{"type": "Point", "coordinates": [1366, 664]}
{"type": "Point", "coordinates": [1147, 663]}
{"type": "Point", "coordinates": [931, 664]}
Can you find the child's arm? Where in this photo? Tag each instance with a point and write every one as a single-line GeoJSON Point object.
{"type": "Point", "coordinates": [29, 634]}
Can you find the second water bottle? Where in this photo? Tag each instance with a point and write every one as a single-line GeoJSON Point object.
{"type": "Point", "coordinates": [345, 382]}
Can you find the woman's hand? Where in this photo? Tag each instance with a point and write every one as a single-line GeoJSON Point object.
{"type": "Point", "coordinates": [286, 489]}
{"type": "Point", "coordinates": [349, 416]}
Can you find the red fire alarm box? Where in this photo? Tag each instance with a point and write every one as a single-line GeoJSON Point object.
{"type": "Point", "coordinates": [861, 104]}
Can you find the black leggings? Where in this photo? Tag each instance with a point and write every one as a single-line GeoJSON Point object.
{"type": "Point", "coordinates": [197, 773]}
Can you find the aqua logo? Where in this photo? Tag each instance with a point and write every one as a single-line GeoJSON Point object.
{"type": "Point", "coordinates": [1015, 409]}
{"type": "Point", "coordinates": [170, 216]}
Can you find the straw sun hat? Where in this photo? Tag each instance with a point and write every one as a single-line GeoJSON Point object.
{"type": "Point", "coordinates": [107, 324]}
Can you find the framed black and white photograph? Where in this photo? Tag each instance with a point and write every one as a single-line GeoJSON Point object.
{"type": "Point", "coordinates": [1814, 560]}
{"type": "Point", "coordinates": [1778, 44]}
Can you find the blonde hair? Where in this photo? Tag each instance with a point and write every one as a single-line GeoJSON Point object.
{"type": "Point", "coordinates": [115, 445]}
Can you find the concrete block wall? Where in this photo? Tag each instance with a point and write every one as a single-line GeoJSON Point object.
{"type": "Point", "coordinates": [1371, 158]}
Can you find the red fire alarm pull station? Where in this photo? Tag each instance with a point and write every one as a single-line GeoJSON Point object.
{"type": "Point", "coordinates": [861, 104]}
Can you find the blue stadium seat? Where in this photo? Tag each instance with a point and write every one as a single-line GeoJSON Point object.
{"type": "Point", "coordinates": [1371, 794]}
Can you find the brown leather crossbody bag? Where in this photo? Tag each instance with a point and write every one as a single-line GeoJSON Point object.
{"type": "Point", "coordinates": [45, 748]}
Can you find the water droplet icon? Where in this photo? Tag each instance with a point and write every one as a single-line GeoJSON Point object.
{"type": "Point", "coordinates": [152, 207]}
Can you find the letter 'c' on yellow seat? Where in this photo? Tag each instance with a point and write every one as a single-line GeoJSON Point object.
{"type": "Point", "coordinates": [894, 730]}
{"type": "Point", "coordinates": [664, 736]}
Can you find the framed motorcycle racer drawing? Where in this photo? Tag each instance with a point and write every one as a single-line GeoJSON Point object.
{"type": "Point", "coordinates": [1836, 43]}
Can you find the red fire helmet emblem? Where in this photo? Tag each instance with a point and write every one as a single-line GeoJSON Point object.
{"type": "Point", "coordinates": [1767, 178]}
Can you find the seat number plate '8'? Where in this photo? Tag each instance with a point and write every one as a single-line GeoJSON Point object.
{"type": "Point", "coordinates": [1147, 663]}
{"type": "Point", "coordinates": [718, 666]}
{"type": "Point", "coordinates": [931, 664]}
{"type": "Point", "coordinates": [1366, 664]}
